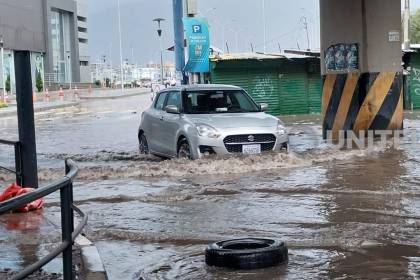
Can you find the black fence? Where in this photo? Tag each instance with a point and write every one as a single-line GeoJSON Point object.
{"type": "Point", "coordinates": [18, 160]}
{"type": "Point", "coordinates": [68, 232]}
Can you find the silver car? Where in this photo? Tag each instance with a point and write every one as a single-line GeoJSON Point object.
{"type": "Point", "coordinates": [200, 120]}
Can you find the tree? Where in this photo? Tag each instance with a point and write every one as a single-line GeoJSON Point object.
{"type": "Point", "coordinates": [8, 83]}
{"type": "Point", "coordinates": [39, 82]}
{"type": "Point", "coordinates": [415, 27]}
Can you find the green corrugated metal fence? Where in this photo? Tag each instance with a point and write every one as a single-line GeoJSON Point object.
{"type": "Point", "coordinates": [287, 89]}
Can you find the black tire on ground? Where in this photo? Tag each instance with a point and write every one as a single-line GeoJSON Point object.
{"type": "Point", "coordinates": [184, 149]}
{"type": "Point", "coordinates": [248, 253]}
{"type": "Point", "coordinates": [143, 145]}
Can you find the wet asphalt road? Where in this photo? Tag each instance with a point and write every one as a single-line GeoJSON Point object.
{"type": "Point", "coordinates": [345, 214]}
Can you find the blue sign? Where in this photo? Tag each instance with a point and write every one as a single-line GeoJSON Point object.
{"type": "Point", "coordinates": [197, 33]}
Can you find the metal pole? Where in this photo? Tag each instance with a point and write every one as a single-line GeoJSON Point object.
{"type": "Point", "coordinates": [406, 28]}
{"type": "Point", "coordinates": [265, 27]}
{"type": "Point", "coordinates": [66, 232]}
{"type": "Point", "coordinates": [2, 68]}
{"type": "Point", "coordinates": [161, 60]}
{"type": "Point", "coordinates": [305, 25]}
{"type": "Point", "coordinates": [119, 35]}
{"type": "Point", "coordinates": [179, 38]}
{"type": "Point", "coordinates": [26, 119]}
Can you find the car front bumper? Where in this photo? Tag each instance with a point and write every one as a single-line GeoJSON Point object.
{"type": "Point", "coordinates": [217, 145]}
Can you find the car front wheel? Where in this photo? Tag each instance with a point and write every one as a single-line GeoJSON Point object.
{"type": "Point", "coordinates": [184, 150]}
{"type": "Point", "coordinates": [143, 146]}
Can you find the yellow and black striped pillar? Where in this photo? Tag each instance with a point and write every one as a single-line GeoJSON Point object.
{"type": "Point", "coordinates": [361, 102]}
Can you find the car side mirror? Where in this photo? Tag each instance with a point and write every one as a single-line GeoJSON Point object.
{"type": "Point", "coordinates": [171, 109]}
{"type": "Point", "coordinates": [263, 107]}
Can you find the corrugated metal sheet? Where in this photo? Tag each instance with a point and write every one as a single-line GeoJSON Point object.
{"type": "Point", "coordinates": [314, 93]}
{"type": "Point", "coordinates": [286, 87]}
{"type": "Point", "coordinates": [414, 81]}
{"type": "Point", "coordinates": [294, 94]}
{"type": "Point", "coordinates": [264, 88]}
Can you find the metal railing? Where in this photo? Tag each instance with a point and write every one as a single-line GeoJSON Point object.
{"type": "Point", "coordinates": [53, 78]}
{"type": "Point", "coordinates": [18, 160]}
{"type": "Point", "coordinates": [68, 232]}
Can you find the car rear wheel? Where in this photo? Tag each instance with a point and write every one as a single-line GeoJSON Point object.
{"type": "Point", "coordinates": [184, 150]}
{"type": "Point", "coordinates": [143, 146]}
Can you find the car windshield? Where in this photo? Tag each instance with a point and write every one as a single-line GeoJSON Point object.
{"type": "Point", "coordinates": [218, 102]}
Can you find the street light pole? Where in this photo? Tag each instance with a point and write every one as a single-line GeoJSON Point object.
{"type": "Point", "coordinates": [2, 68]}
{"type": "Point", "coordinates": [159, 31]}
{"type": "Point", "coordinates": [119, 35]}
{"type": "Point", "coordinates": [265, 27]}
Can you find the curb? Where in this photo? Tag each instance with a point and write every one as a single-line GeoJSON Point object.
{"type": "Point", "coordinates": [93, 267]}
{"type": "Point", "coordinates": [86, 97]}
{"type": "Point", "coordinates": [42, 109]}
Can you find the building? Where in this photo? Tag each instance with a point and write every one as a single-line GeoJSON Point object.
{"type": "Point", "coordinates": [49, 29]}
{"type": "Point", "coordinates": [288, 83]}
{"type": "Point", "coordinates": [83, 40]}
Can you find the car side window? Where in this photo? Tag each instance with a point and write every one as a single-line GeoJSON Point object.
{"type": "Point", "coordinates": [174, 99]}
{"type": "Point", "coordinates": [160, 101]}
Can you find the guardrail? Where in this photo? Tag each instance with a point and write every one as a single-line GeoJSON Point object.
{"type": "Point", "coordinates": [18, 160]}
{"type": "Point", "coordinates": [68, 232]}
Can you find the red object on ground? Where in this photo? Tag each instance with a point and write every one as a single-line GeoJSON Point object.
{"type": "Point", "coordinates": [61, 92]}
{"type": "Point", "coordinates": [15, 190]}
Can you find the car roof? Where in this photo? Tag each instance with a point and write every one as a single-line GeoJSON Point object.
{"type": "Point", "coordinates": [202, 87]}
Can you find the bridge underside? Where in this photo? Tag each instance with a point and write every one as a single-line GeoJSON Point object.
{"type": "Point", "coordinates": [361, 65]}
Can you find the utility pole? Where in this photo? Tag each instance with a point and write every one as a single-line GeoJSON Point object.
{"type": "Point", "coordinates": [305, 26]}
{"type": "Point", "coordinates": [178, 11]}
{"type": "Point", "coordinates": [159, 31]}
{"type": "Point", "coordinates": [119, 35]}
{"type": "Point", "coordinates": [407, 40]}
{"type": "Point", "coordinates": [265, 27]}
{"type": "Point", "coordinates": [2, 69]}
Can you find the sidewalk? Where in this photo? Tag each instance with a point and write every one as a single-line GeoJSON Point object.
{"type": "Point", "coordinates": [71, 98]}
{"type": "Point", "coordinates": [113, 93]}
{"type": "Point", "coordinates": [27, 237]}
{"type": "Point", "coordinates": [42, 106]}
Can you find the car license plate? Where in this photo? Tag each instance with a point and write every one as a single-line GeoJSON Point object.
{"type": "Point", "coordinates": [251, 149]}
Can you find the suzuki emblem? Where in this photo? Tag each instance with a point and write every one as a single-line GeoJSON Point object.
{"type": "Point", "coordinates": [251, 138]}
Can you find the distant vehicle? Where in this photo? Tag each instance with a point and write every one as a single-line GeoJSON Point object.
{"type": "Point", "coordinates": [200, 120]}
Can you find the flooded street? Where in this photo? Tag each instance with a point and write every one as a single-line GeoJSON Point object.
{"type": "Point", "coordinates": [345, 214]}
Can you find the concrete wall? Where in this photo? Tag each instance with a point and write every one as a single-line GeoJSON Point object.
{"type": "Point", "coordinates": [383, 16]}
{"type": "Point", "coordinates": [368, 23]}
{"type": "Point", "coordinates": [22, 24]}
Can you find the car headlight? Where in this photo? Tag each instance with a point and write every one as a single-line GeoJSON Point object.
{"type": "Point", "coordinates": [281, 130]}
{"type": "Point", "coordinates": [207, 131]}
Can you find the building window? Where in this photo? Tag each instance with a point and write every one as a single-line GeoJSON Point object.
{"type": "Point", "coordinates": [83, 19]}
{"type": "Point", "coordinates": [84, 63]}
{"type": "Point", "coordinates": [61, 46]}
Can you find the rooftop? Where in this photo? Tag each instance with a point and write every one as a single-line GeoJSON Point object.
{"type": "Point", "coordinates": [256, 56]}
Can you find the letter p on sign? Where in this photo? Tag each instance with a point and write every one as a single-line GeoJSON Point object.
{"type": "Point", "coordinates": [196, 28]}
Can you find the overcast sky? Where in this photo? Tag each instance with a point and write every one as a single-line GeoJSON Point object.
{"type": "Point", "coordinates": [241, 22]}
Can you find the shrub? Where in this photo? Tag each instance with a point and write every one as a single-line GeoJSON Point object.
{"type": "Point", "coordinates": [8, 83]}
{"type": "Point", "coordinates": [39, 82]}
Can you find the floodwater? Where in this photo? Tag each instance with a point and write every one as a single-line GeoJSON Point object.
{"type": "Point", "coordinates": [345, 214]}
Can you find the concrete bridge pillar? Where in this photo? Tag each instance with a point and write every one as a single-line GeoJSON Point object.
{"type": "Point", "coordinates": [361, 65]}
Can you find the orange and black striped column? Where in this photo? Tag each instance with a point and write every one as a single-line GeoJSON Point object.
{"type": "Point", "coordinates": [361, 102]}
